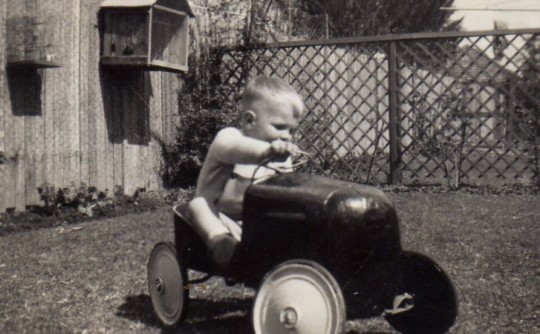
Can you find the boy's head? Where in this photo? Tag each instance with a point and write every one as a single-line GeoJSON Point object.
{"type": "Point", "coordinates": [272, 109]}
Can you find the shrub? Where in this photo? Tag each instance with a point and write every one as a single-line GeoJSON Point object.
{"type": "Point", "coordinates": [204, 109]}
{"type": "Point", "coordinates": [183, 158]}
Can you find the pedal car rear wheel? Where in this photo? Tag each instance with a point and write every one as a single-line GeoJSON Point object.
{"type": "Point", "coordinates": [299, 296]}
{"type": "Point", "coordinates": [434, 300]}
{"type": "Point", "coordinates": [166, 280]}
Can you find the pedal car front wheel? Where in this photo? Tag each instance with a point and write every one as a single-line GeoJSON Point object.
{"type": "Point", "coordinates": [299, 296]}
{"type": "Point", "coordinates": [166, 280]}
{"type": "Point", "coordinates": [431, 304]}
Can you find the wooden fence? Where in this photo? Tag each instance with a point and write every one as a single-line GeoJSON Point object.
{"type": "Point", "coordinates": [447, 108]}
{"type": "Point", "coordinates": [77, 123]}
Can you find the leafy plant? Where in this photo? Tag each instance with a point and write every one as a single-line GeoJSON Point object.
{"type": "Point", "coordinates": [49, 195]}
{"type": "Point", "coordinates": [204, 109]}
{"type": "Point", "coordinates": [440, 130]}
{"type": "Point", "coordinates": [375, 17]}
{"type": "Point", "coordinates": [81, 197]}
{"type": "Point", "coordinates": [183, 157]}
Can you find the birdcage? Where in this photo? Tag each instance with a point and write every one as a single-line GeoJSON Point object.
{"type": "Point", "coordinates": [30, 38]}
{"type": "Point", "coordinates": [147, 33]}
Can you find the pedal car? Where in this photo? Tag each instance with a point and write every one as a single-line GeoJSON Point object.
{"type": "Point", "coordinates": [313, 247]}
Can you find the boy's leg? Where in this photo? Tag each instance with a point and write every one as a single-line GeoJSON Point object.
{"type": "Point", "coordinates": [233, 226]}
{"type": "Point", "coordinates": [206, 224]}
{"type": "Point", "coordinates": [217, 237]}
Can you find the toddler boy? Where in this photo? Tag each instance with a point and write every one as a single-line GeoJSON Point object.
{"type": "Point", "coordinates": [271, 112]}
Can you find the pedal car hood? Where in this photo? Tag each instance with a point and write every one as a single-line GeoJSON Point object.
{"type": "Point", "coordinates": [349, 214]}
{"type": "Point", "coordinates": [314, 189]}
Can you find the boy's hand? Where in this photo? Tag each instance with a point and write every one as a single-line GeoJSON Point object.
{"type": "Point", "coordinates": [279, 148]}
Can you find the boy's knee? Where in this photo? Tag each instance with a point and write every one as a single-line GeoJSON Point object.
{"type": "Point", "coordinates": [202, 215]}
{"type": "Point", "coordinates": [196, 206]}
{"type": "Point", "coordinates": [191, 206]}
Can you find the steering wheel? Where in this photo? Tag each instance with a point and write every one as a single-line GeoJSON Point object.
{"type": "Point", "coordinates": [304, 158]}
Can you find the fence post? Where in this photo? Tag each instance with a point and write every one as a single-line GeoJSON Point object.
{"type": "Point", "coordinates": [393, 118]}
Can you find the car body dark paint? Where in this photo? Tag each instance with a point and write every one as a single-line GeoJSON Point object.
{"type": "Point", "coordinates": [350, 229]}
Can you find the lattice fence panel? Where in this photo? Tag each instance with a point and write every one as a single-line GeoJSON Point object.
{"type": "Point", "coordinates": [467, 107]}
{"type": "Point", "coordinates": [458, 105]}
{"type": "Point", "coordinates": [346, 94]}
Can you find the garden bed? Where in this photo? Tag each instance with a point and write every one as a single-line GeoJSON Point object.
{"type": "Point", "coordinates": [59, 214]}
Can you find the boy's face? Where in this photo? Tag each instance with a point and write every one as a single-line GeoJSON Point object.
{"type": "Point", "coordinates": [271, 119]}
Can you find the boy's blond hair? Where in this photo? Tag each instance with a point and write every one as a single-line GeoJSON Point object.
{"type": "Point", "coordinates": [270, 87]}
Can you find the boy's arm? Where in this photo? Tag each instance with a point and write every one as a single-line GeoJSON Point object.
{"type": "Point", "coordinates": [232, 147]}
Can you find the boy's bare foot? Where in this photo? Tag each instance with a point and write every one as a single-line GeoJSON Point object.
{"type": "Point", "coordinates": [221, 249]}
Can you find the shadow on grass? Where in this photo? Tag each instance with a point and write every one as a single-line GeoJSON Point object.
{"type": "Point", "coordinates": [203, 316]}
{"type": "Point", "coordinates": [138, 308]}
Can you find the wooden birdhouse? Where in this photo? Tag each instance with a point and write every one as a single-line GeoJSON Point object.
{"type": "Point", "coordinates": [147, 33]}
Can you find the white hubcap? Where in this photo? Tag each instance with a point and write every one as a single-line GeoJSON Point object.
{"type": "Point", "coordinates": [288, 317]}
{"type": "Point", "coordinates": [299, 297]}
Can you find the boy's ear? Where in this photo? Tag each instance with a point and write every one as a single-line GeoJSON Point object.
{"type": "Point", "coordinates": [249, 117]}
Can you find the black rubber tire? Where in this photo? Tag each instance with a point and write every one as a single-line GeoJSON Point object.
{"type": "Point", "coordinates": [435, 302]}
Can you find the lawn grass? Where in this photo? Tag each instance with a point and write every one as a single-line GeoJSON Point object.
{"type": "Point", "coordinates": [91, 277]}
{"type": "Point", "coordinates": [489, 245]}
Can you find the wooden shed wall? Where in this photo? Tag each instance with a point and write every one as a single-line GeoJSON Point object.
{"type": "Point", "coordinates": [79, 123]}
